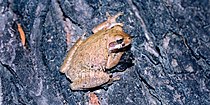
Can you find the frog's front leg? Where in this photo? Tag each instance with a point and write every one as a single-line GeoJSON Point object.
{"type": "Point", "coordinates": [113, 59]}
{"type": "Point", "coordinates": [90, 79]}
{"type": "Point", "coordinates": [109, 23]}
{"type": "Point", "coordinates": [67, 61]}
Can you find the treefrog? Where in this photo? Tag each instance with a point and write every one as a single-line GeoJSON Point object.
{"type": "Point", "coordinates": [87, 61]}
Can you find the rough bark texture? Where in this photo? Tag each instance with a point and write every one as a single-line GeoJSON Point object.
{"type": "Point", "coordinates": [168, 63]}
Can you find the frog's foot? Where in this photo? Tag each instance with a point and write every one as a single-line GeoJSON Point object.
{"type": "Point", "coordinates": [111, 22]}
{"type": "Point", "coordinates": [90, 79]}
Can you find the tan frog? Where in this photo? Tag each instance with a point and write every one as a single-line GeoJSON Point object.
{"type": "Point", "coordinates": [86, 62]}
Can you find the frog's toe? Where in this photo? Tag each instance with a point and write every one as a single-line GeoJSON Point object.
{"type": "Point", "coordinates": [116, 78]}
{"type": "Point", "coordinates": [113, 17]}
{"type": "Point", "coordinates": [116, 24]}
{"type": "Point", "coordinates": [117, 15]}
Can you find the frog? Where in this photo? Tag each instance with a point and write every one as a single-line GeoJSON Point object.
{"type": "Point", "coordinates": [88, 60]}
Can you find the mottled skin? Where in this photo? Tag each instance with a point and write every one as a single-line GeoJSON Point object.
{"type": "Point", "coordinates": [88, 59]}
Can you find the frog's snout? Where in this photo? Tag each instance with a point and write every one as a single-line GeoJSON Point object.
{"type": "Point", "coordinates": [127, 41]}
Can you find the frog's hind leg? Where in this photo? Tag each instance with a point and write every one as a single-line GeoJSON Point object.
{"type": "Point", "coordinates": [70, 54]}
{"type": "Point", "coordinates": [109, 23]}
{"type": "Point", "coordinates": [91, 79]}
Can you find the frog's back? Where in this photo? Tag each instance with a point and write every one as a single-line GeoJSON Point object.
{"type": "Point", "coordinates": [92, 53]}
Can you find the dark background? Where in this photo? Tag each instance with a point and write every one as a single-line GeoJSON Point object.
{"type": "Point", "coordinates": [171, 68]}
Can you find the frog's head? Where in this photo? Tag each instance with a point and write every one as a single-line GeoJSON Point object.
{"type": "Point", "coordinates": [119, 41]}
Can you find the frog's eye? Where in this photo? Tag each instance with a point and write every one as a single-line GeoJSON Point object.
{"type": "Point", "coordinates": [119, 41]}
